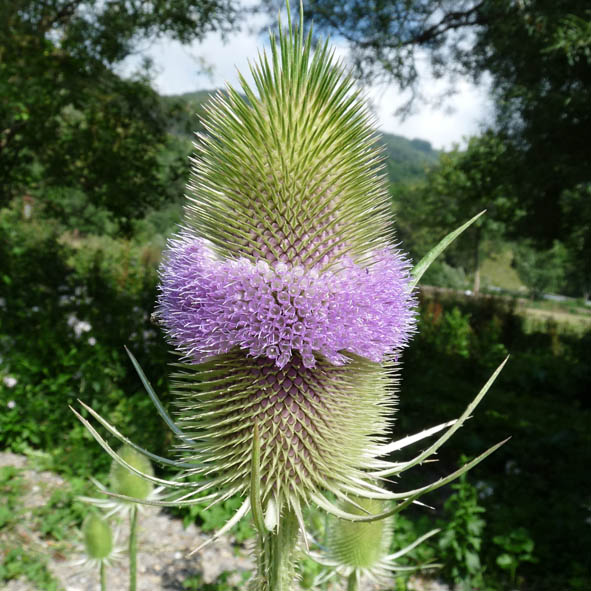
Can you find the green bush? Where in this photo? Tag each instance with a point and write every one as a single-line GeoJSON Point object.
{"type": "Point", "coordinates": [69, 305]}
{"type": "Point", "coordinates": [440, 274]}
{"type": "Point", "coordinates": [542, 271]}
{"type": "Point", "coordinates": [461, 537]}
{"type": "Point", "coordinates": [540, 400]}
{"type": "Point", "coordinates": [516, 547]}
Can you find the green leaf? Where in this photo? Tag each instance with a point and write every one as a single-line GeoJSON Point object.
{"type": "Point", "coordinates": [472, 562]}
{"type": "Point", "coordinates": [505, 561]}
{"type": "Point", "coordinates": [426, 261]}
{"type": "Point", "coordinates": [161, 411]}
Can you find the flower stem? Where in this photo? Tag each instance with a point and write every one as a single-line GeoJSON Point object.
{"type": "Point", "coordinates": [276, 560]}
{"type": "Point", "coordinates": [103, 575]}
{"type": "Point", "coordinates": [133, 549]}
{"type": "Point", "coordinates": [352, 582]}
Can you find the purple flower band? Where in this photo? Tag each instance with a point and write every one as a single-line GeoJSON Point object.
{"type": "Point", "coordinates": [210, 305]}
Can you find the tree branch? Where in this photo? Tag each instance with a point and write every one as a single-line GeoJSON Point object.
{"type": "Point", "coordinates": [449, 22]}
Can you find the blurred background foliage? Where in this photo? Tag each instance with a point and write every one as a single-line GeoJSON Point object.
{"type": "Point", "coordinates": [92, 173]}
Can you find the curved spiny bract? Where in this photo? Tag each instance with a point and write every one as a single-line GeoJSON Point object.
{"type": "Point", "coordinates": [317, 427]}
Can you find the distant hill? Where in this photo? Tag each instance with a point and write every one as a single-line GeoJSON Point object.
{"type": "Point", "coordinates": [406, 160]}
{"type": "Point", "coordinates": [185, 111]}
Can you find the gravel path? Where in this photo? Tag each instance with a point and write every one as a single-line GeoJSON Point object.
{"type": "Point", "coordinates": [163, 549]}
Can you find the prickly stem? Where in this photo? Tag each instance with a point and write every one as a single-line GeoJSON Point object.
{"type": "Point", "coordinates": [133, 549]}
{"type": "Point", "coordinates": [276, 556]}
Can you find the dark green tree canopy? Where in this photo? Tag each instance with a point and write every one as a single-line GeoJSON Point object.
{"type": "Point", "coordinates": [109, 31]}
{"type": "Point", "coordinates": [68, 120]}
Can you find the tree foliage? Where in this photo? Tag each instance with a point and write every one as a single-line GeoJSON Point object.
{"type": "Point", "coordinates": [541, 270]}
{"type": "Point", "coordinates": [67, 119]}
{"type": "Point", "coordinates": [464, 183]}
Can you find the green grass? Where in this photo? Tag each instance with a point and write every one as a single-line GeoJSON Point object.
{"type": "Point", "coordinates": [497, 271]}
{"type": "Point", "coordinates": [570, 316]}
{"type": "Point", "coordinates": [565, 320]}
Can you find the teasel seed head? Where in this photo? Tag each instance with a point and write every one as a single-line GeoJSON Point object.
{"type": "Point", "coordinates": [98, 537]}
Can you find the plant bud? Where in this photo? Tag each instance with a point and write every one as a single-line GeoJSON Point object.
{"type": "Point", "coordinates": [360, 545]}
{"type": "Point", "coordinates": [98, 537]}
{"type": "Point", "coordinates": [125, 482]}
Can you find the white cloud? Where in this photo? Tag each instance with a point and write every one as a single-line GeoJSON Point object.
{"type": "Point", "coordinates": [180, 69]}
{"type": "Point", "coordinates": [460, 116]}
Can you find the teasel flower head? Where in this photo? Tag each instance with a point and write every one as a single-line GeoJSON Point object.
{"type": "Point", "coordinates": [98, 537]}
{"type": "Point", "coordinates": [362, 550]}
{"type": "Point", "coordinates": [283, 292]}
{"type": "Point", "coordinates": [287, 303]}
{"type": "Point", "coordinates": [101, 543]}
{"type": "Point", "coordinates": [126, 482]}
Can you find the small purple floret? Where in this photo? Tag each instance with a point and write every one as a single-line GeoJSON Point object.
{"type": "Point", "coordinates": [210, 305]}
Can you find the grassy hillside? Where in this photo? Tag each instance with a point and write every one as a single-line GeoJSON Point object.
{"type": "Point", "coordinates": [408, 159]}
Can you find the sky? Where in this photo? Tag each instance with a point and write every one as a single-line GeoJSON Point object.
{"type": "Point", "coordinates": [181, 69]}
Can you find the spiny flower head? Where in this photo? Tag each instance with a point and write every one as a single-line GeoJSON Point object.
{"type": "Point", "coordinates": [125, 482]}
{"type": "Point", "coordinates": [283, 292]}
{"type": "Point", "coordinates": [288, 306]}
{"type": "Point", "coordinates": [360, 545]}
{"type": "Point", "coordinates": [98, 537]}
{"type": "Point", "coordinates": [362, 550]}
{"type": "Point", "coordinates": [100, 544]}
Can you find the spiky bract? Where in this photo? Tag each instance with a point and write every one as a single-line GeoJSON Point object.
{"type": "Point", "coordinates": [315, 424]}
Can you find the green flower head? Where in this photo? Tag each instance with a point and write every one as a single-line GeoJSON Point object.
{"type": "Point", "coordinates": [128, 483]}
{"type": "Point", "coordinates": [98, 537]}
